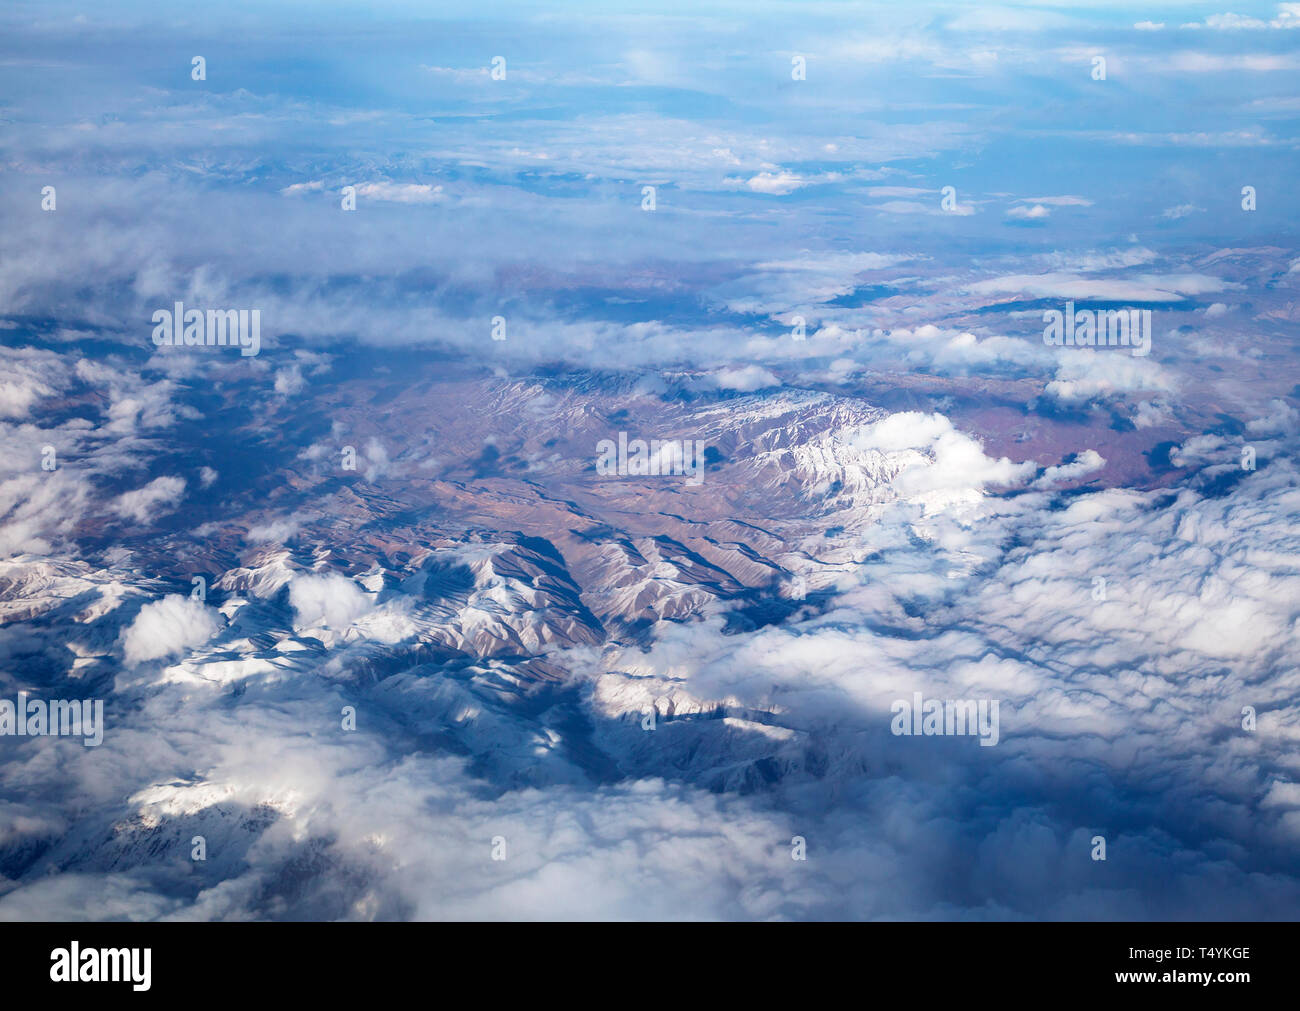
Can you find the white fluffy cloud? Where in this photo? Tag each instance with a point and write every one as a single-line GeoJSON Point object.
{"type": "Point", "coordinates": [1085, 374]}
{"type": "Point", "coordinates": [775, 183]}
{"type": "Point", "coordinates": [746, 379]}
{"type": "Point", "coordinates": [331, 600]}
{"type": "Point", "coordinates": [168, 627]}
{"type": "Point", "coordinates": [938, 465]}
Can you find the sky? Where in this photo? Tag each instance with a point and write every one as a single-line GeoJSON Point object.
{"type": "Point", "coordinates": [484, 195]}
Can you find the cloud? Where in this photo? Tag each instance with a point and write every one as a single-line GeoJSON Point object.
{"type": "Point", "coordinates": [38, 511]}
{"type": "Point", "coordinates": [746, 379]}
{"type": "Point", "coordinates": [1099, 679]}
{"type": "Point", "coordinates": [807, 278]}
{"type": "Point", "coordinates": [381, 191]}
{"type": "Point", "coordinates": [1288, 16]}
{"type": "Point", "coordinates": [1143, 288]}
{"type": "Point", "coordinates": [778, 183]}
{"type": "Point", "coordinates": [30, 376]}
{"type": "Point", "coordinates": [899, 191]}
{"type": "Point", "coordinates": [961, 209]}
{"type": "Point", "coordinates": [401, 193]}
{"type": "Point", "coordinates": [1280, 418]}
{"type": "Point", "coordinates": [18, 395]}
{"type": "Point", "coordinates": [275, 531]}
{"type": "Point", "coordinates": [1192, 62]}
{"type": "Point", "coordinates": [938, 465]}
{"type": "Point", "coordinates": [158, 497]}
{"type": "Point", "coordinates": [377, 462]}
{"type": "Point", "coordinates": [1180, 211]}
{"type": "Point", "coordinates": [289, 381]}
{"type": "Point", "coordinates": [940, 350]}
{"type": "Point", "coordinates": [1061, 201]}
{"type": "Point", "coordinates": [1152, 413]}
{"type": "Point", "coordinates": [331, 600]}
{"type": "Point", "coordinates": [949, 579]}
{"type": "Point", "coordinates": [1085, 375]}
{"type": "Point", "coordinates": [168, 627]}
{"type": "Point", "coordinates": [1088, 462]}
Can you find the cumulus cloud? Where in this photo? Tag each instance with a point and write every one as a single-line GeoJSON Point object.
{"type": "Point", "coordinates": [746, 379]}
{"type": "Point", "coordinates": [938, 465]}
{"type": "Point", "coordinates": [168, 627]}
{"type": "Point", "coordinates": [331, 600]}
{"type": "Point", "coordinates": [776, 183]}
{"type": "Point", "coordinates": [1085, 374]}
